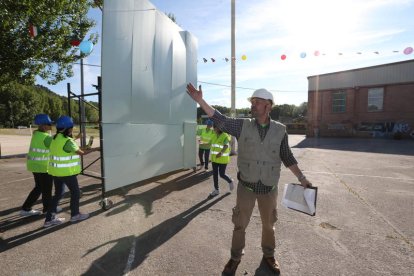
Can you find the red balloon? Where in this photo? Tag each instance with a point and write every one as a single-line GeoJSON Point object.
{"type": "Point", "coordinates": [75, 42]}
{"type": "Point", "coordinates": [283, 57]}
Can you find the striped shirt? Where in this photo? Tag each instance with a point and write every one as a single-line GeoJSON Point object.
{"type": "Point", "coordinates": [233, 126]}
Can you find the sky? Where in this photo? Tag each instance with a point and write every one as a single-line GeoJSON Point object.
{"type": "Point", "coordinates": [316, 37]}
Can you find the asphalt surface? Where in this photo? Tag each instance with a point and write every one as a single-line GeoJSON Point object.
{"type": "Point", "coordinates": [364, 223]}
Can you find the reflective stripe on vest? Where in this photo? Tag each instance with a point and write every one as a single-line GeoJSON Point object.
{"type": "Point", "coordinates": [65, 165]}
{"type": "Point", "coordinates": [38, 158]}
{"type": "Point", "coordinates": [39, 150]}
{"type": "Point", "coordinates": [217, 152]}
{"type": "Point", "coordinates": [57, 158]}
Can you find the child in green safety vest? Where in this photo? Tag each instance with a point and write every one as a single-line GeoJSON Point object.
{"type": "Point", "coordinates": [206, 135]}
{"type": "Point", "coordinates": [37, 161]}
{"type": "Point", "coordinates": [220, 157]}
{"type": "Point", "coordinates": [64, 166]}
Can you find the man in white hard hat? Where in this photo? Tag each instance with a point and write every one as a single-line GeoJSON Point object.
{"type": "Point", "coordinates": [263, 147]}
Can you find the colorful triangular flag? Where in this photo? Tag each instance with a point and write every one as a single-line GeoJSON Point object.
{"type": "Point", "coordinates": [205, 60]}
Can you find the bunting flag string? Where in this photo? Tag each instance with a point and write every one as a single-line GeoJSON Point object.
{"type": "Point", "coordinates": [406, 51]}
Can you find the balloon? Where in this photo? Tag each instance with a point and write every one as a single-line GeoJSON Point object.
{"type": "Point", "coordinates": [244, 57]}
{"type": "Point", "coordinates": [317, 53]}
{"type": "Point", "coordinates": [408, 50]}
{"type": "Point", "coordinates": [74, 42]}
{"type": "Point", "coordinates": [86, 47]}
{"type": "Point", "coordinates": [303, 55]}
{"type": "Point", "coordinates": [283, 57]}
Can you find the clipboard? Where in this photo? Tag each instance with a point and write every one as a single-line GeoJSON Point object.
{"type": "Point", "coordinates": [297, 198]}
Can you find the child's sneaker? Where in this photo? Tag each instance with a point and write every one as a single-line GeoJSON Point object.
{"type": "Point", "coordinates": [231, 185]}
{"type": "Point", "coordinates": [24, 213]}
{"type": "Point", "coordinates": [54, 221]}
{"type": "Point", "coordinates": [214, 193]}
{"type": "Point", "coordinates": [79, 217]}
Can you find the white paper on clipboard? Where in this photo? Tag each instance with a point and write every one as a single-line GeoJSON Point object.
{"type": "Point", "coordinates": [298, 198]}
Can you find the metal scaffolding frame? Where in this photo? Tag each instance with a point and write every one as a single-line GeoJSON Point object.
{"type": "Point", "coordinates": [105, 203]}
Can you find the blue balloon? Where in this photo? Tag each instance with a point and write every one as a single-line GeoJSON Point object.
{"type": "Point", "coordinates": [86, 47]}
{"type": "Point", "coordinates": [303, 55]}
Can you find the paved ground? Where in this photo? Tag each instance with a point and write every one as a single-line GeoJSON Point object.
{"type": "Point", "coordinates": [12, 145]}
{"type": "Point", "coordinates": [166, 226]}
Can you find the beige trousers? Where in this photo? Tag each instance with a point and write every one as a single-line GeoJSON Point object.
{"type": "Point", "coordinates": [245, 202]}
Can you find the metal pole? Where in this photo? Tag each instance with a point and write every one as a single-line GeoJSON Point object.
{"type": "Point", "coordinates": [233, 71]}
{"type": "Point", "coordinates": [69, 107]}
{"type": "Point", "coordinates": [82, 109]}
{"type": "Point", "coordinates": [101, 136]}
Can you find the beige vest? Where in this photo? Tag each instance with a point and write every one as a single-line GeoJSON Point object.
{"type": "Point", "coordinates": [260, 160]}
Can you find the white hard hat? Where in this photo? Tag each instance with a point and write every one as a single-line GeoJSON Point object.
{"type": "Point", "coordinates": [262, 94]}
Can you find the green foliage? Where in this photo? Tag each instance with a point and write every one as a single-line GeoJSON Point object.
{"type": "Point", "coordinates": [293, 112]}
{"type": "Point", "coordinates": [20, 103]}
{"type": "Point", "coordinates": [50, 54]}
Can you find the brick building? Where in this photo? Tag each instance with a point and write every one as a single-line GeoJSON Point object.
{"type": "Point", "coordinates": [375, 101]}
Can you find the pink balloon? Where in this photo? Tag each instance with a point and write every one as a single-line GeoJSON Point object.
{"type": "Point", "coordinates": [283, 57]}
{"type": "Point", "coordinates": [408, 50]}
{"type": "Point", "coordinates": [316, 53]}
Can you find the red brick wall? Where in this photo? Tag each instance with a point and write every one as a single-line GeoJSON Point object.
{"type": "Point", "coordinates": [398, 107]}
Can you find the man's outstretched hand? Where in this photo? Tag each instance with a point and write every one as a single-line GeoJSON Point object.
{"type": "Point", "coordinates": [196, 95]}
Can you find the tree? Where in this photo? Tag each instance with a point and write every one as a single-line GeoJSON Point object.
{"type": "Point", "coordinates": [48, 54]}
{"type": "Point", "coordinates": [285, 111]}
{"type": "Point", "coordinates": [20, 103]}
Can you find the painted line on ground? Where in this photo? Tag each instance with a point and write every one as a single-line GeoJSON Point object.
{"type": "Point", "coordinates": [131, 258]}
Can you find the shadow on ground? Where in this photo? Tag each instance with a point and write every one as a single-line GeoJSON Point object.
{"type": "Point", "coordinates": [143, 245]}
{"type": "Point", "coordinates": [146, 199]}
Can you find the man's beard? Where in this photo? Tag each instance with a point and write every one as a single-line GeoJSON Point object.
{"type": "Point", "coordinates": [253, 113]}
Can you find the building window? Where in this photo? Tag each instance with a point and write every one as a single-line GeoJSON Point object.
{"type": "Point", "coordinates": [375, 99]}
{"type": "Point", "coordinates": [338, 102]}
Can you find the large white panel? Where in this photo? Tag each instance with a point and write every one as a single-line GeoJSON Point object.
{"type": "Point", "coordinates": [178, 79]}
{"type": "Point", "coordinates": [191, 52]}
{"type": "Point", "coordinates": [189, 144]}
{"type": "Point", "coordinates": [142, 151]}
{"type": "Point", "coordinates": [152, 82]}
{"type": "Point", "coordinates": [116, 62]}
{"type": "Point", "coordinates": [191, 74]}
{"type": "Point", "coordinates": [148, 120]}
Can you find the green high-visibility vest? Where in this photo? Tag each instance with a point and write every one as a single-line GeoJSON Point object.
{"type": "Point", "coordinates": [61, 162]}
{"type": "Point", "coordinates": [217, 145]}
{"type": "Point", "coordinates": [38, 155]}
{"type": "Point", "coordinates": [205, 136]}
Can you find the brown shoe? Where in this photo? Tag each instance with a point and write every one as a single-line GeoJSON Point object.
{"type": "Point", "coordinates": [230, 267]}
{"type": "Point", "coordinates": [272, 264]}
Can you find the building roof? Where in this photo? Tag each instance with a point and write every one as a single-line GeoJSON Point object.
{"type": "Point", "coordinates": [390, 73]}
